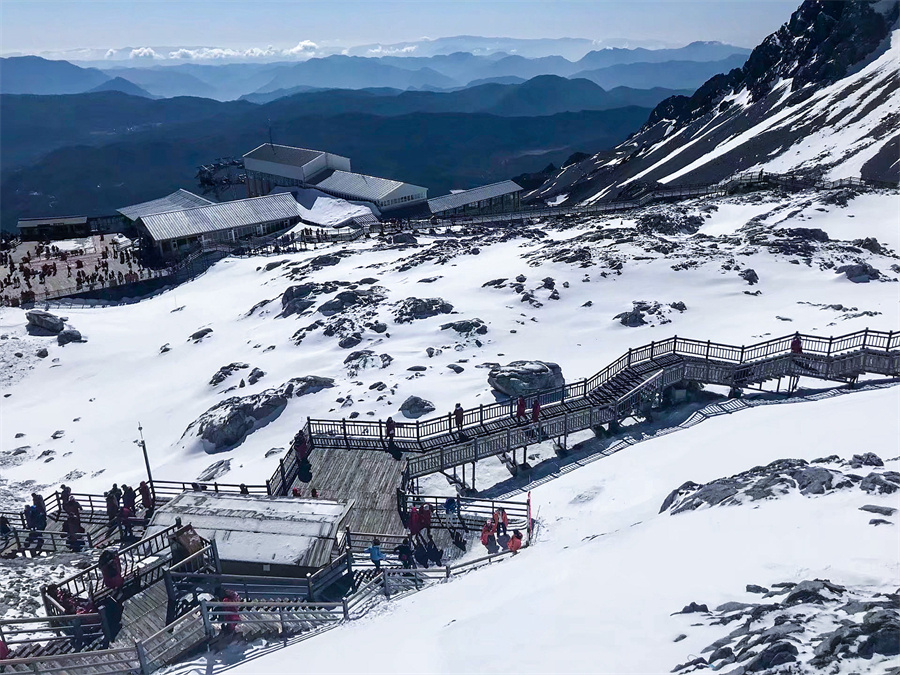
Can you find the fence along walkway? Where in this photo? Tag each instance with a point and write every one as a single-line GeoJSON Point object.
{"type": "Point", "coordinates": [753, 180]}
{"type": "Point", "coordinates": [616, 392]}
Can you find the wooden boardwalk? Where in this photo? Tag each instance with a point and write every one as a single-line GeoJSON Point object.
{"type": "Point", "coordinates": [627, 387]}
{"type": "Point", "coordinates": [368, 479]}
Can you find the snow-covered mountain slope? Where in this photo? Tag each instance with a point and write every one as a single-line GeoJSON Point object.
{"type": "Point", "coordinates": [600, 590]}
{"type": "Point", "coordinates": [821, 96]}
{"type": "Point", "coordinates": [72, 416]}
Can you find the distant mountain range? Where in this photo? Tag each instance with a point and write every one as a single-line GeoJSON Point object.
{"type": "Point", "coordinates": [33, 75]}
{"type": "Point", "coordinates": [92, 153]}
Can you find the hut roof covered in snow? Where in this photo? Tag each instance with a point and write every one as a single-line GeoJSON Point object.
{"type": "Point", "coordinates": [259, 529]}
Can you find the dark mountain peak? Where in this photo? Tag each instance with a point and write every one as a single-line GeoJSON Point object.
{"type": "Point", "coordinates": [122, 85]}
{"type": "Point", "coordinates": [818, 46]}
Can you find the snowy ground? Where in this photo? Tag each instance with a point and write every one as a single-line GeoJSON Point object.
{"type": "Point", "coordinates": [97, 392]}
{"type": "Point", "coordinates": [598, 591]}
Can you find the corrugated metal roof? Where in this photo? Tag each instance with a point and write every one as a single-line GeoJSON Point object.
{"type": "Point", "coordinates": [223, 216]}
{"type": "Point", "coordinates": [478, 194]}
{"type": "Point", "coordinates": [283, 154]}
{"type": "Point", "coordinates": [177, 201]}
{"type": "Point", "coordinates": [359, 186]}
{"type": "Point", "coordinates": [259, 529]}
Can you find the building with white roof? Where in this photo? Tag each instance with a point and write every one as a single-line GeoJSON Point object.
{"type": "Point", "coordinates": [271, 165]}
{"type": "Point", "coordinates": [499, 197]}
{"type": "Point", "coordinates": [259, 535]}
{"type": "Point", "coordinates": [227, 222]}
{"type": "Point", "coordinates": [177, 201]}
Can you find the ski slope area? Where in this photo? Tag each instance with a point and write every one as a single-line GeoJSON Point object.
{"type": "Point", "coordinates": [597, 592]}
{"type": "Point", "coordinates": [140, 364]}
{"type": "Point", "coordinates": [840, 138]}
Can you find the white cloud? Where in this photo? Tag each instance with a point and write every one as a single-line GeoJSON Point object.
{"type": "Point", "coordinates": [144, 53]}
{"type": "Point", "coordinates": [303, 49]}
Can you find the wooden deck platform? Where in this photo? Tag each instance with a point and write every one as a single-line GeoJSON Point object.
{"type": "Point", "coordinates": [370, 479]}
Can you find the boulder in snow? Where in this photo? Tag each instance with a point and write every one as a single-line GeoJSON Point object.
{"type": "Point", "coordinates": [523, 378]}
{"type": "Point", "coordinates": [412, 309]}
{"type": "Point", "coordinates": [415, 406]}
{"type": "Point", "coordinates": [68, 335]}
{"type": "Point", "coordinates": [632, 319]}
{"type": "Point", "coordinates": [38, 318]}
{"type": "Point", "coordinates": [861, 273]}
{"type": "Point", "coordinates": [467, 327]}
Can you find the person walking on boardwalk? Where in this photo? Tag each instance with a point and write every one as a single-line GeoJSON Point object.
{"type": "Point", "coordinates": [39, 504]}
{"type": "Point", "coordinates": [111, 569]}
{"type": "Point", "coordinates": [390, 428]}
{"type": "Point", "coordinates": [129, 498]}
{"type": "Point", "coordinates": [796, 344]}
{"type": "Point", "coordinates": [375, 553]}
{"type": "Point", "coordinates": [521, 408]}
{"type": "Point", "coordinates": [425, 517]}
{"type": "Point", "coordinates": [501, 520]}
{"type": "Point", "coordinates": [112, 509]}
{"type": "Point", "coordinates": [536, 412]}
{"type": "Point", "coordinates": [515, 542]}
{"type": "Point", "coordinates": [415, 521]}
{"type": "Point", "coordinates": [405, 553]}
{"type": "Point", "coordinates": [459, 416]}
{"type": "Point", "coordinates": [487, 537]}
{"type": "Point", "coordinates": [146, 497]}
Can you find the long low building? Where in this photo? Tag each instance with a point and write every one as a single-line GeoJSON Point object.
{"type": "Point", "coordinates": [172, 231]}
{"type": "Point", "coordinates": [177, 201]}
{"type": "Point", "coordinates": [270, 166]}
{"type": "Point", "coordinates": [386, 194]}
{"type": "Point", "coordinates": [499, 197]}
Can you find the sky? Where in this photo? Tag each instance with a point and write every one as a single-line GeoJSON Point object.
{"type": "Point", "coordinates": [35, 26]}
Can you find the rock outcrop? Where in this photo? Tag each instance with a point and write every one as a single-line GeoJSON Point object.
{"type": "Point", "coordinates": [523, 378]}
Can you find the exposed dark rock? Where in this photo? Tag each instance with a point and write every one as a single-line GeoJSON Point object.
{"type": "Point", "coordinates": [693, 608]}
{"type": "Point", "coordinates": [255, 376]}
{"type": "Point", "coordinates": [866, 459]}
{"type": "Point", "coordinates": [773, 655]}
{"type": "Point", "coordinates": [455, 368]}
{"type": "Point", "coordinates": [215, 470]}
{"type": "Point", "coordinates": [68, 335]}
{"type": "Point", "coordinates": [805, 233]}
{"type": "Point", "coordinates": [227, 424]}
{"type": "Point", "coordinates": [351, 298]}
{"type": "Point", "coordinates": [880, 510]}
{"type": "Point", "coordinates": [749, 275]}
{"type": "Point", "coordinates": [523, 378]}
{"type": "Point", "coordinates": [415, 406]}
{"type": "Point", "coordinates": [366, 358]}
{"type": "Point", "coordinates": [379, 327]}
{"type": "Point", "coordinates": [699, 661]}
{"type": "Point", "coordinates": [350, 341]}
{"type": "Point", "coordinates": [880, 483]}
{"type": "Point", "coordinates": [879, 521]}
{"type": "Point", "coordinates": [860, 273]}
{"type": "Point", "coordinates": [721, 653]}
{"type": "Point", "coordinates": [680, 306]}
{"type": "Point", "coordinates": [326, 260]}
{"type": "Point", "coordinates": [412, 309]}
{"type": "Point", "coordinates": [554, 295]}
{"type": "Point", "coordinates": [871, 244]}
{"type": "Point", "coordinates": [403, 238]}
{"type": "Point", "coordinates": [632, 319]}
{"type": "Point", "coordinates": [494, 283]}
{"type": "Point", "coordinates": [200, 334]}
{"type": "Point", "coordinates": [46, 321]}
{"type": "Point", "coordinates": [42, 353]}
{"type": "Point", "coordinates": [467, 327]}
{"type": "Point", "coordinates": [225, 371]}
{"type": "Point", "coordinates": [668, 223]}
{"type": "Point", "coordinates": [417, 369]}
{"type": "Point", "coordinates": [753, 588]}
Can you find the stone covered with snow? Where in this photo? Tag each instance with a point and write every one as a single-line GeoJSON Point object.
{"type": "Point", "coordinates": [523, 378]}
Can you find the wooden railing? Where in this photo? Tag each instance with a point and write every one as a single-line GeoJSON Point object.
{"type": "Point", "coordinates": [345, 431]}
{"type": "Point", "coordinates": [72, 632]}
{"type": "Point", "coordinates": [114, 661]}
{"type": "Point", "coordinates": [142, 563]}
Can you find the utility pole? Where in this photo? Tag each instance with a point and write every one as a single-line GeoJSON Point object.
{"type": "Point", "coordinates": [146, 460]}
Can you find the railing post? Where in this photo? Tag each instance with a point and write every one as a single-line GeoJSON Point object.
{"type": "Point", "coordinates": [629, 356]}
{"type": "Point", "coordinates": [742, 354]}
{"type": "Point", "coordinates": [207, 623]}
{"type": "Point", "coordinates": [447, 571]}
{"type": "Point", "coordinates": [345, 608]}
{"type": "Point", "coordinates": [142, 658]}
{"type": "Point", "coordinates": [481, 413]}
{"type": "Point", "coordinates": [652, 345]}
{"type": "Point", "coordinates": [344, 427]}
{"type": "Point", "coordinates": [830, 341]}
{"type": "Point", "coordinates": [387, 588]}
